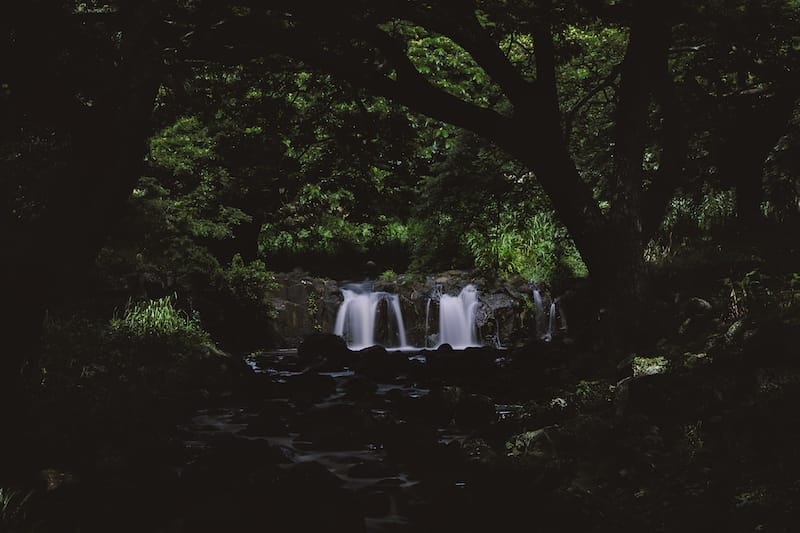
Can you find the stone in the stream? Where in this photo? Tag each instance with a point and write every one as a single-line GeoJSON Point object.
{"type": "Point", "coordinates": [378, 364]}
{"type": "Point", "coordinates": [271, 419]}
{"type": "Point", "coordinates": [411, 441]}
{"type": "Point", "coordinates": [372, 470]}
{"type": "Point", "coordinates": [310, 498]}
{"type": "Point", "coordinates": [379, 502]}
{"type": "Point", "coordinates": [536, 445]}
{"type": "Point", "coordinates": [233, 466]}
{"type": "Point", "coordinates": [310, 387]}
{"type": "Point", "coordinates": [337, 427]}
{"type": "Point", "coordinates": [473, 361]}
{"type": "Point", "coordinates": [440, 405]}
{"type": "Point", "coordinates": [359, 388]}
{"type": "Point", "coordinates": [475, 411]}
{"type": "Point", "coordinates": [324, 345]}
{"type": "Point", "coordinates": [479, 451]}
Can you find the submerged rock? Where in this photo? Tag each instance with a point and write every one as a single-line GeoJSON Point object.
{"type": "Point", "coordinates": [359, 388]}
{"type": "Point", "coordinates": [475, 411]}
{"type": "Point", "coordinates": [377, 363]}
{"type": "Point", "coordinates": [310, 387]}
{"type": "Point", "coordinates": [325, 345]}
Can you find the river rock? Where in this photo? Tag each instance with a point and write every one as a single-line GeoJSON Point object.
{"type": "Point", "coordinates": [679, 396]}
{"type": "Point", "coordinates": [478, 451]}
{"type": "Point", "coordinates": [470, 361]}
{"type": "Point", "coordinates": [359, 388]}
{"type": "Point", "coordinates": [310, 387]}
{"type": "Point", "coordinates": [378, 364]}
{"type": "Point", "coordinates": [536, 445]}
{"type": "Point", "coordinates": [338, 427]}
{"type": "Point", "coordinates": [372, 470]}
{"type": "Point", "coordinates": [327, 345]}
{"type": "Point", "coordinates": [310, 498]}
{"type": "Point", "coordinates": [475, 411]}
{"type": "Point", "coordinates": [440, 404]}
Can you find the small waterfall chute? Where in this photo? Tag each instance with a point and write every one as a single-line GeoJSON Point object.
{"type": "Point", "coordinates": [359, 318]}
{"type": "Point", "coordinates": [457, 318]}
{"type": "Point", "coordinates": [551, 322]}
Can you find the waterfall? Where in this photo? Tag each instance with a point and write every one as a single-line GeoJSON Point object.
{"type": "Point", "coordinates": [358, 318]}
{"type": "Point", "coordinates": [366, 318]}
{"type": "Point", "coordinates": [394, 299]}
{"type": "Point", "coordinates": [551, 322]}
{"type": "Point", "coordinates": [539, 316]}
{"type": "Point", "coordinates": [457, 318]}
{"type": "Point", "coordinates": [427, 317]}
{"type": "Point", "coordinates": [436, 295]}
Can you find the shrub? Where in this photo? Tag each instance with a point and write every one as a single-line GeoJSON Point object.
{"type": "Point", "coordinates": [536, 247]}
{"type": "Point", "coordinates": [247, 283]}
{"type": "Point", "coordinates": [158, 320]}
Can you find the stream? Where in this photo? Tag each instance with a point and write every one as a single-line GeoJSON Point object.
{"type": "Point", "coordinates": [381, 439]}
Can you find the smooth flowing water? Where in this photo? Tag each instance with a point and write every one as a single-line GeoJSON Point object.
{"type": "Point", "coordinates": [543, 333]}
{"type": "Point", "coordinates": [457, 318]}
{"type": "Point", "coordinates": [366, 318]}
{"type": "Point", "coordinates": [360, 317]}
{"type": "Point", "coordinates": [539, 317]}
{"type": "Point", "coordinates": [551, 322]}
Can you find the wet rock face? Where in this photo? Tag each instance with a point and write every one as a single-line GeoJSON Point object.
{"type": "Point", "coordinates": [304, 305]}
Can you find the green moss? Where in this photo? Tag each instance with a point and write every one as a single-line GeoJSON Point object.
{"type": "Point", "coordinates": [646, 366]}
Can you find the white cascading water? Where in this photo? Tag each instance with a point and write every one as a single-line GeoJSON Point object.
{"type": "Point", "coordinates": [435, 295]}
{"type": "Point", "coordinates": [457, 318]}
{"type": "Point", "coordinates": [539, 317]}
{"type": "Point", "coordinates": [427, 319]}
{"type": "Point", "coordinates": [551, 323]}
{"type": "Point", "coordinates": [357, 317]}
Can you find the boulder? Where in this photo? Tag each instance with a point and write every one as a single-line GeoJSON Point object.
{"type": "Point", "coordinates": [470, 361]}
{"type": "Point", "coordinates": [324, 345]}
{"type": "Point", "coordinates": [359, 388]}
{"type": "Point", "coordinates": [310, 387]}
{"type": "Point", "coordinates": [536, 446]}
{"type": "Point", "coordinates": [378, 364]}
{"type": "Point", "coordinates": [475, 411]}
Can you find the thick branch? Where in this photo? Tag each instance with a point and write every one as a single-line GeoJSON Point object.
{"type": "Point", "coordinates": [646, 52]}
{"type": "Point", "coordinates": [465, 29]}
{"type": "Point", "coordinates": [372, 59]}
{"type": "Point", "coordinates": [675, 144]}
{"type": "Point", "coordinates": [354, 64]}
{"type": "Point", "coordinates": [572, 112]}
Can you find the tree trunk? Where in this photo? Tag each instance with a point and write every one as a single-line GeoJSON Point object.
{"type": "Point", "coordinates": [47, 255]}
{"type": "Point", "coordinates": [755, 123]}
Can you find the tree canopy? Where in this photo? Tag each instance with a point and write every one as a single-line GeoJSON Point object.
{"type": "Point", "coordinates": [433, 134]}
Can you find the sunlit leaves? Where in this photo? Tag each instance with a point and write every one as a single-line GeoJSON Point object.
{"type": "Point", "coordinates": [587, 93]}
{"type": "Point", "coordinates": [519, 48]}
{"type": "Point", "coordinates": [445, 63]}
{"type": "Point", "coordinates": [534, 246]}
{"type": "Point", "coordinates": [184, 148]}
